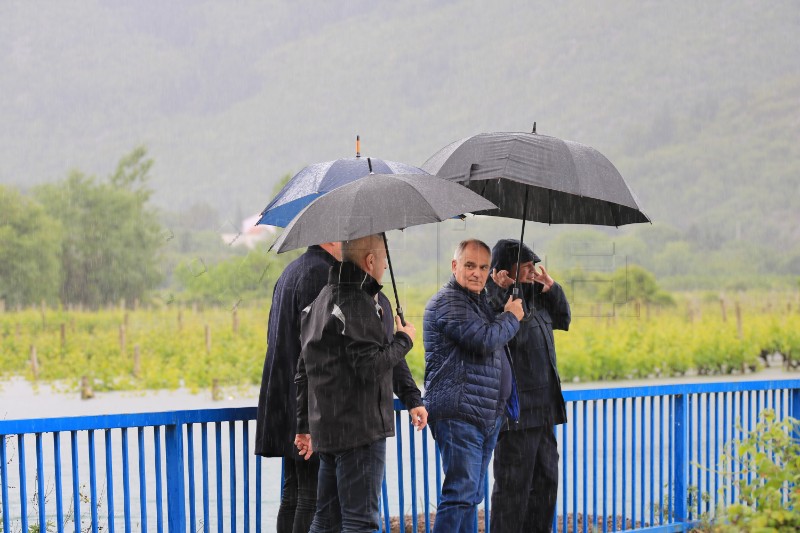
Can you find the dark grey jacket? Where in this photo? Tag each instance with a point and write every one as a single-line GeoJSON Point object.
{"type": "Point", "coordinates": [344, 374]}
{"type": "Point", "coordinates": [533, 352]}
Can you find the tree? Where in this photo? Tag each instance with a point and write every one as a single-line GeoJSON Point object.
{"type": "Point", "coordinates": [29, 250]}
{"type": "Point", "coordinates": [634, 283]}
{"type": "Point", "coordinates": [111, 236]}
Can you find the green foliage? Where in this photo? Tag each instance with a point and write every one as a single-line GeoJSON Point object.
{"type": "Point", "coordinates": [111, 236]}
{"type": "Point", "coordinates": [770, 456]}
{"type": "Point", "coordinates": [660, 341]}
{"type": "Point", "coordinates": [634, 283]}
{"type": "Point", "coordinates": [232, 280]}
{"type": "Point", "coordinates": [29, 251]}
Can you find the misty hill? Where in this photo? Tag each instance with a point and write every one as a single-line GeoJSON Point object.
{"type": "Point", "coordinates": [696, 103]}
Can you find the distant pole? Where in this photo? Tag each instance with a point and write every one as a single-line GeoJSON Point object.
{"type": "Point", "coordinates": [122, 340]}
{"type": "Point", "coordinates": [724, 311]}
{"type": "Point", "coordinates": [63, 338]}
{"type": "Point", "coordinates": [208, 339]}
{"type": "Point", "coordinates": [180, 319]}
{"type": "Point", "coordinates": [235, 321]}
{"type": "Point", "coordinates": [2, 305]}
{"type": "Point", "coordinates": [34, 363]}
{"type": "Point", "coordinates": [86, 389]}
{"type": "Point", "coordinates": [739, 320]}
{"type": "Point", "coordinates": [136, 363]}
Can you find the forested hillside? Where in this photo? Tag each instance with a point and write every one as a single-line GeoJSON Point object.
{"type": "Point", "coordinates": [696, 103]}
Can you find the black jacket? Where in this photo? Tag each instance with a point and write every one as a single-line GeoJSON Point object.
{"type": "Point", "coordinates": [533, 352]}
{"type": "Point", "coordinates": [344, 374]}
{"type": "Point", "coordinates": [298, 286]}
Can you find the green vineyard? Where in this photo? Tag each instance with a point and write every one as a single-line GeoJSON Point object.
{"type": "Point", "coordinates": [197, 348]}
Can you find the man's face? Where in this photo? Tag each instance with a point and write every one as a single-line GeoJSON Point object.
{"type": "Point", "coordinates": [472, 268]}
{"type": "Point", "coordinates": [526, 272]}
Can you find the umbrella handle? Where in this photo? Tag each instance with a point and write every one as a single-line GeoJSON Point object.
{"type": "Point", "coordinates": [400, 314]}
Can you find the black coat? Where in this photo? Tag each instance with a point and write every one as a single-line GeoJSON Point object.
{"type": "Point", "coordinates": [533, 353]}
{"type": "Point", "coordinates": [298, 286]}
{"type": "Point", "coordinates": [344, 375]}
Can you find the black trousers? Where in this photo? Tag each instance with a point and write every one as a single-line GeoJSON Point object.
{"type": "Point", "coordinates": [525, 481]}
{"type": "Point", "coordinates": [299, 496]}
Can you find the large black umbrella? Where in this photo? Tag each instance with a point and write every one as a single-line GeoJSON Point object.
{"type": "Point", "coordinates": [539, 178]}
{"type": "Point", "coordinates": [377, 204]}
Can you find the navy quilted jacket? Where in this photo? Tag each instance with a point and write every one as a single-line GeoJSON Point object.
{"type": "Point", "coordinates": [464, 342]}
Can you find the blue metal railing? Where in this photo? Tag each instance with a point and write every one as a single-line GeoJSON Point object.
{"type": "Point", "coordinates": [659, 473]}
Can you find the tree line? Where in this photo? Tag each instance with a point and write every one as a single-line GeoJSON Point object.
{"type": "Point", "coordinates": [83, 240]}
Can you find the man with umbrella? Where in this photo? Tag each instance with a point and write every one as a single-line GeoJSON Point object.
{"type": "Point", "coordinates": [468, 381]}
{"type": "Point", "coordinates": [526, 456]}
{"type": "Point", "coordinates": [344, 388]}
{"type": "Point", "coordinates": [276, 422]}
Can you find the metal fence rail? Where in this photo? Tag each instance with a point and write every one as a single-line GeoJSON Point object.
{"type": "Point", "coordinates": [631, 458]}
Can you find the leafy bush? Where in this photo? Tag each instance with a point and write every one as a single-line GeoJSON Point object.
{"type": "Point", "coordinates": [771, 500]}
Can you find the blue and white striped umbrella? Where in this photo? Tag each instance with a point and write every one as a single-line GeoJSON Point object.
{"type": "Point", "coordinates": [320, 178]}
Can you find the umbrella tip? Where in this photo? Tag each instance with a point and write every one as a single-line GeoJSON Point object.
{"type": "Point", "coordinates": [358, 145]}
{"type": "Point", "coordinates": [534, 128]}
{"type": "Point", "coordinates": [369, 163]}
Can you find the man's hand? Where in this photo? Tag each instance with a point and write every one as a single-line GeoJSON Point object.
{"type": "Point", "coordinates": [541, 276]}
{"type": "Point", "coordinates": [419, 417]}
{"type": "Point", "coordinates": [408, 329]}
{"type": "Point", "coordinates": [515, 307]}
{"type": "Point", "coordinates": [501, 278]}
{"type": "Point", "coordinates": [303, 443]}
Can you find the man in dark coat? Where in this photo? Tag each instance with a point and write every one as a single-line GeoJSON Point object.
{"type": "Point", "coordinates": [526, 456]}
{"type": "Point", "coordinates": [344, 388]}
{"type": "Point", "coordinates": [469, 381]}
{"type": "Point", "coordinates": [276, 421]}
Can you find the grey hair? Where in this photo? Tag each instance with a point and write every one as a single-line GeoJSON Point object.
{"type": "Point", "coordinates": [355, 250]}
{"type": "Point", "coordinates": [475, 242]}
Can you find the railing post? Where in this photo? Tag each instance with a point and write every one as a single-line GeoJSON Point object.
{"type": "Point", "coordinates": [176, 509]}
{"type": "Point", "coordinates": [680, 425]}
{"type": "Point", "coordinates": [795, 408]}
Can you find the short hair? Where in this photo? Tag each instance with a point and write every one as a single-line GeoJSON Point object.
{"type": "Point", "coordinates": [475, 242]}
{"type": "Point", "coordinates": [355, 250]}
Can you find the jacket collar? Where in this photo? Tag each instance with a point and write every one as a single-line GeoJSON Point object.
{"type": "Point", "coordinates": [350, 273]}
{"type": "Point", "coordinates": [453, 284]}
{"type": "Point", "coordinates": [319, 250]}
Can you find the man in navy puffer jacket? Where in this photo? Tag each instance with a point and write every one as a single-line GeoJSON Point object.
{"type": "Point", "coordinates": [469, 381]}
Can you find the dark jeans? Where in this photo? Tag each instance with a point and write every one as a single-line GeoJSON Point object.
{"type": "Point", "coordinates": [299, 496]}
{"type": "Point", "coordinates": [465, 450]}
{"type": "Point", "coordinates": [349, 490]}
{"type": "Point", "coordinates": [525, 481]}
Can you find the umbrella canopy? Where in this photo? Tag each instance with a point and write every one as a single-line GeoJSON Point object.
{"type": "Point", "coordinates": [380, 203]}
{"type": "Point", "coordinates": [320, 178]}
{"type": "Point", "coordinates": [375, 205]}
{"type": "Point", "coordinates": [539, 178]}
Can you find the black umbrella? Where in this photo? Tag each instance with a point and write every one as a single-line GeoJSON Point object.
{"type": "Point", "coordinates": [539, 178]}
{"type": "Point", "coordinates": [378, 204]}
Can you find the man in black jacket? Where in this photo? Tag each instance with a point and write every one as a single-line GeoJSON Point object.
{"type": "Point", "coordinates": [276, 421]}
{"type": "Point", "coordinates": [526, 455]}
{"type": "Point", "coordinates": [344, 388]}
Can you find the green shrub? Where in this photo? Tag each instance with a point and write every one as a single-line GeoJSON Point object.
{"type": "Point", "coordinates": [770, 501]}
